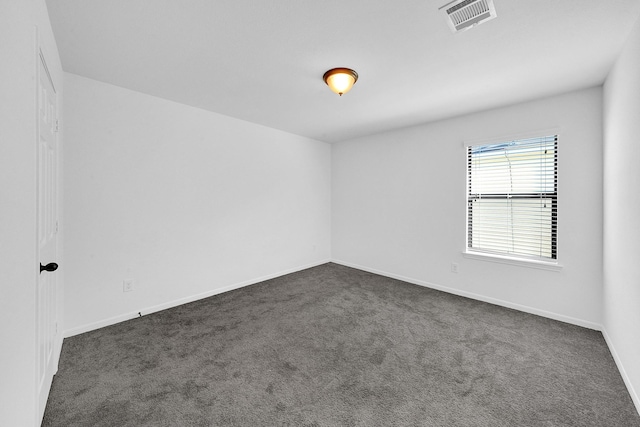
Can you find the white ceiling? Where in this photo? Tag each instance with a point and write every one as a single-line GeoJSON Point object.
{"type": "Point", "coordinates": [263, 60]}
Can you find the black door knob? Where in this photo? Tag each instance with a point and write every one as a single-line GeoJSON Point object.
{"type": "Point", "coordinates": [52, 266]}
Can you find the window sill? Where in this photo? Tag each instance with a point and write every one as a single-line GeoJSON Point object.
{"type": "Point", "coordinates": [542, 265]}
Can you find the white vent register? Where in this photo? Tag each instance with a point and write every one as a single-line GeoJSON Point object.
{"type": "Point", "coordinates": [464, 14]}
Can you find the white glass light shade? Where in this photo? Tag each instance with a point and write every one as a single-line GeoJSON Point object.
{"type": "Point", "coordinates": [340, 80]}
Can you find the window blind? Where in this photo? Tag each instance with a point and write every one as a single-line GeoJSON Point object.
{"type": "Point", "coordinates": [512, 198]}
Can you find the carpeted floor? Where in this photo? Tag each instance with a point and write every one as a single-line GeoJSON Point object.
{"type": "Point", "coordinates": [335, 346]}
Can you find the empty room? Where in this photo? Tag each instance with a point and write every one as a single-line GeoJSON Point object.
{"type": "Point", "coordinates": [337, 213]}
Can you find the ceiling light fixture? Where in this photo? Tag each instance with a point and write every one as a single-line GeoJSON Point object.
{"type": "Point", "coordinates": [340, 80]}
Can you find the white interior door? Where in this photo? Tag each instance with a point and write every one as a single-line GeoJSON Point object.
{"type": "Point", "coordinates": [46, 316]}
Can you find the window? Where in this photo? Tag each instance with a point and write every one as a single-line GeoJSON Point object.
{"type": "Point", "coordinates": [512, 203]}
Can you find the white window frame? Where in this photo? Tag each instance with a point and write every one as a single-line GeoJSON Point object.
{"type": "Point", "coordinates": [522, 261]}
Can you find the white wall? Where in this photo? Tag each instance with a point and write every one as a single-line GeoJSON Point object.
{"type": "Point", "coordinates": [399, 207]}
{"type": "Point", "coordinates": [621, 212]}
{"type": "Point", "coordinates": [186, 202]}
{"type": "Point", "coordinates": [18, 22]}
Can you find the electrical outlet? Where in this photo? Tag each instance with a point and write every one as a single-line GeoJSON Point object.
{"type": "Point", "coordinates": [454, 267]}
{"type": "Point", "coordinates": [127, 285]}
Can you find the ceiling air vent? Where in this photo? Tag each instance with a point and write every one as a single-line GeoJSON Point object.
{"type": "Point", "coordinates": [464, 14]}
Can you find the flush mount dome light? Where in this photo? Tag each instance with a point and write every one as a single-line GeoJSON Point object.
{"type": "Point", "coordinates": [340, 80]}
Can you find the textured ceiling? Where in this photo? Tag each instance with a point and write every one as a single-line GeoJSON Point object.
{"type": "Point", "coordinates": [263, 60]}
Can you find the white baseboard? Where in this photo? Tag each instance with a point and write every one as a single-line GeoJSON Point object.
{"type": "Point", "coordinates": [495, 301]}
{"type": "Point", "coordinates": [170, 304]}
{"type": "Point", "coordinates": [57, 351]}
{"type": "Point", "coordinates": [627, 381]}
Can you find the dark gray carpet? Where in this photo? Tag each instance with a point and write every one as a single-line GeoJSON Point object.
{"type": "Point", "coordinates": [335, 346]}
